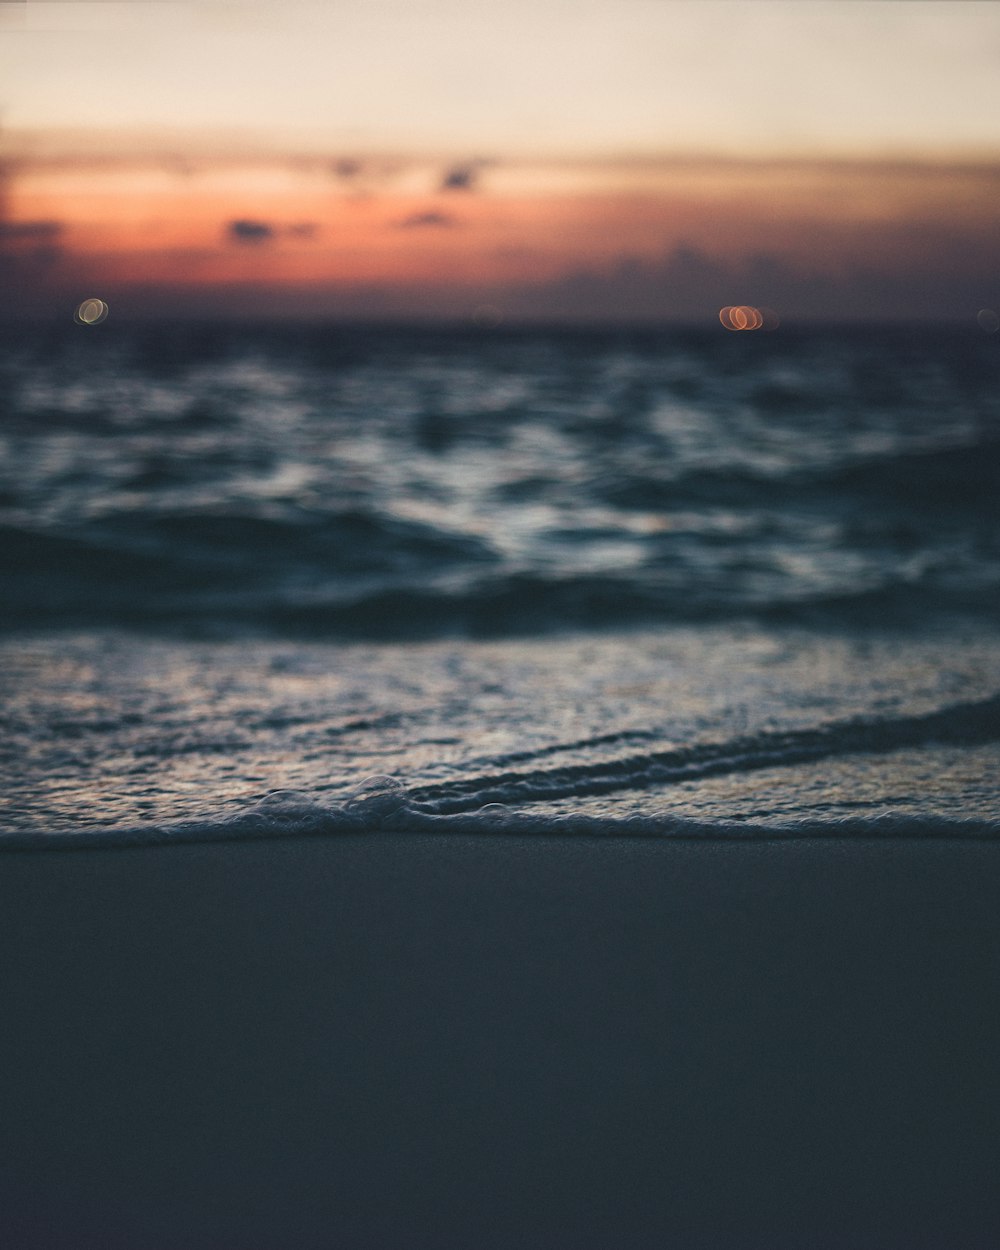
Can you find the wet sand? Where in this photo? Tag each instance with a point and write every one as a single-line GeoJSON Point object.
{"type": "Point", "coordinates": [388, 1041]}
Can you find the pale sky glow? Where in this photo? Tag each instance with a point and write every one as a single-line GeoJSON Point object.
{"type": "Point", "coordinates": [747, 76]}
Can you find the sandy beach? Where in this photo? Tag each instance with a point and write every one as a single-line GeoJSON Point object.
{"type": "Point", "coordinates": [391, 1041]}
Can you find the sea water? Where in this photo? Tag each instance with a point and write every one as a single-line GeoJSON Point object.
{"type": "Point", "coordinates": [266, 580]}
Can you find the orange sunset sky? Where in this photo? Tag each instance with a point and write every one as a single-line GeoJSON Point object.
{"type": "Point", "coordinates": [636, 160]}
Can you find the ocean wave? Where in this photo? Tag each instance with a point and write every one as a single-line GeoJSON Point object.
{"type": "Point", "coordinates": [286, 816]}
{"type": "Point", "coordinates": [493, 802]}
{"type": "Point", "coordinates": [64, 582]}
{"type": "Point", "coordinates": [960, 723]}
{"type": "Point", "coordinates": [937, 480]}
{"type": "Point", "coordinates": [230, 545]}
{"type": "Point", "coordinates": [399, 484]}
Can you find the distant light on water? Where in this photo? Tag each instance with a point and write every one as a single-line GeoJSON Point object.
{"type": "Point", "coordinates": [988, 320]}
{"type": "Point", "coordinates": [91, 312]}
{"type": "Point", "coordinates": [746, 317]}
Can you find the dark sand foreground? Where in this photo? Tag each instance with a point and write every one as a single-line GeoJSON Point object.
{"type": "Point", "coordinates": [442, 1042]}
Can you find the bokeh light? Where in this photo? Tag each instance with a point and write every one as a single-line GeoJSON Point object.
{"type": "Point", "coordinates": [91, 312]}
{"type": "Point", "coordinates": [988, 320]}
{"type": "Point", "coordinates": [746, 317]}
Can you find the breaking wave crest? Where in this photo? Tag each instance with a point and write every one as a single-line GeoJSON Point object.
{"type": "Point", "coordinates": [490, 802]}
{"type": "Point", "coordinates": [963, 723]}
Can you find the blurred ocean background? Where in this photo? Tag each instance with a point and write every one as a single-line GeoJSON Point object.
{"type": "Point", "coordinates": [650, 581]}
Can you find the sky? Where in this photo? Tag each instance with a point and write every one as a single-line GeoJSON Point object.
{"type": "Point", "coordinates": [541, 159]}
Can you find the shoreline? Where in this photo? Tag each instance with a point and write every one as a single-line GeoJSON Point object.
{"type": "Point", "coordinates": [397, 1041]}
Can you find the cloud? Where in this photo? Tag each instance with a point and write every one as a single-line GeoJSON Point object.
{"type": "Point", "coordinates": [32, 264]}
{"type": "Point", "coordinates": [360, 175]}
{"type": "Point", "coordinates": [462, 177]}
{"type": "Point", "coordinates": [687, 284]}
{"type": "Point", "coordinates": [432, 219]}
{"type": "Point", "coordinates": [30, 232]}
{"type": "Point", "coordinates": [245, 231]}
{"type": "Point", "coordinates": [346, 167]}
